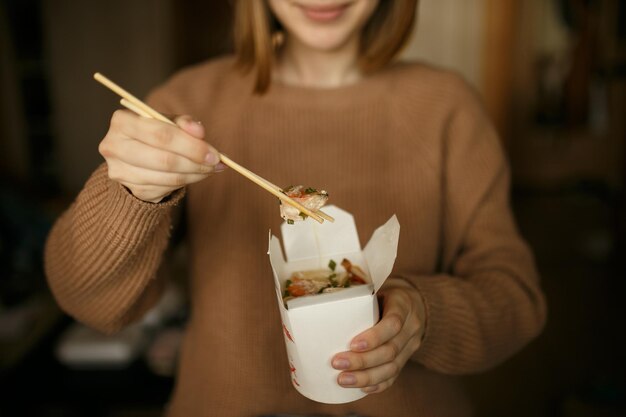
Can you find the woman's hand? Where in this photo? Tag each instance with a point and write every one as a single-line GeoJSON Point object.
{"type": "Point", "coordinates": [377, 355]}
{"type": "Point", "coordinates": [152, 158]}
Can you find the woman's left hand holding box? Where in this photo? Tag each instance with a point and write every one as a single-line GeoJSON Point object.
{"type": "Point", "coordinates": [377, 355]}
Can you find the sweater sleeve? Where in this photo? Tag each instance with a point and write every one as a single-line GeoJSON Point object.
{"type": "Point", "coordinates": [487, 303]}
{"type": "Point", "coordinates": [102, 254]}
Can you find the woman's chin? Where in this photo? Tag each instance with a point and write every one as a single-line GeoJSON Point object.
{"type": "Point", "coordinates": [324, 42]}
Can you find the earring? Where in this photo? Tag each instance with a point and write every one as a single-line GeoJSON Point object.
{"type": "Point", "coordinates": [278, 39]}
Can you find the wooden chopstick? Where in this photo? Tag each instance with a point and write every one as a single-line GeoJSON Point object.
{"type": "Point", "coordinates": [130, 106]}
{"type": "Point", "coordinates": [134, 104]}
{"type": "Point", "coordinates": [131, 98]}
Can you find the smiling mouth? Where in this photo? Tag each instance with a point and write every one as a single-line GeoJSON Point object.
{"type": "Point", "coordinates": [324, 14]}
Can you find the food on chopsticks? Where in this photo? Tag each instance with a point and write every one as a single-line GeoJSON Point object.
{"type": "Point", "coordinates": [309, 197]}
{"type": "Point", "coordinates": [320, 281]}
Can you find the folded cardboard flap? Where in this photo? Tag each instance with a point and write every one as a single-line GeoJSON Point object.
{"type": "Point", "coordinates": [380, 252]}
{"type": "Point", "coordinates": [309, 239]}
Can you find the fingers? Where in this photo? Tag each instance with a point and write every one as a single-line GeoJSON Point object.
{"type": "Point", "coordinates": [396, 309]}
{"type": "Point", "coordinates": [166, 137]}
{"type": "Point", "coordinates": [380, 377]}
{"type": "Point", "coordinates": [138, 154]}
{"type": "Point", "coordinates": [190, 126]}
{"type": "Point", "coordinates": [377, 378]}
{"type": "Point", "coordinates": [378, 355]}
{"type": "Point", "coordinates": [129, 174]}
{"type": "Point", "coordinates": [373, 377]}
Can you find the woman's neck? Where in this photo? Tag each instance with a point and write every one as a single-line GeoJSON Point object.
{"type": "Point", "coordinates": [299, 65]}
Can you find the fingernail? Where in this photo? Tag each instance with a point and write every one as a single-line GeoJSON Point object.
{"type": "Point", "coordinates": [211, 158]}
{"type": "Point", "coordinates": [341, 364]}
{"type": "Point", "coordinates": [358, 345]}
{"type": "Point", "coordinates": [191, 123]}
{"type": "Point", "coordinates": [347, 379]}
{"type": "Point", "coordinates": [194, 127]}
{"type": "Point", "coordinates": [219, 167]}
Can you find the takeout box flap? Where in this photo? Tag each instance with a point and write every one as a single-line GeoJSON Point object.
{"type": "Point", "coordinates": [381, 250]}
{"type": "Point", "coordinates": [310, 239]}
{"type": "Point", "coordinates": [277, 261]}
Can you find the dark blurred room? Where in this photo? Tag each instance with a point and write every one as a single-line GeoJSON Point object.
{"type": "Point", "coordinates": [552, 75]}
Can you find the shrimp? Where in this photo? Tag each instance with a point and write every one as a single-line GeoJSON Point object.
{"type": "Point", "coordinates": [320, 281]}
{"type": "Point", "coordinates": [309, 197]}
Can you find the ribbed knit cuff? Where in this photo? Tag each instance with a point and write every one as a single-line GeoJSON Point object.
{"type": "Point", "coordinates": [170, 201]}
{"type": "Point", "coordinates": [130, 218]}
{"type": "Point", "coordinates": [432, 289]}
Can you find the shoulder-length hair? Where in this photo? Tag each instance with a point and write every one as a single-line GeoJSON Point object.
{"type": "Point", "coordinates": [384, 35]}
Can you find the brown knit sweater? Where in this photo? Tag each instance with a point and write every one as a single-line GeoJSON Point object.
{"type": "Point", "coordinates": [410, 140]}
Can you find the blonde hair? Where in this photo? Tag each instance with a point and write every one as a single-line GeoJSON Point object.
{"type": "Point", "coordinates": [384, 35]}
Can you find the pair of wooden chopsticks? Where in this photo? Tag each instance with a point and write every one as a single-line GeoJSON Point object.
{"type": "Point", "coordinates": [134, 104]}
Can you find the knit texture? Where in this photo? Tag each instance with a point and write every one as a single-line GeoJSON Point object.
{"type": "Point", "coordinates": [411, 140]}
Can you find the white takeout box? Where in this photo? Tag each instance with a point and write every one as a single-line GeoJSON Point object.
{"type": "Point", "coordinates": [317, 327]}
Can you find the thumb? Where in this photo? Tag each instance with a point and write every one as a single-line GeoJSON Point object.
{"type": "Point", "coordinates": [190, 126]}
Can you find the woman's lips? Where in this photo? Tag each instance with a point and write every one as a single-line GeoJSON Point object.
{"type": "Point", "coordinates": [324, 13]}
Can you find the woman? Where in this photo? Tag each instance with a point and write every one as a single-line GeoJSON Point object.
{"type": "Point", "coordinates": [311, 97]}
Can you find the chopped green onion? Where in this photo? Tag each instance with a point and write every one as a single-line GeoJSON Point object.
{"type": "Point", "coordinates": [332, 265]}
{"type": "Point", "coordinates": [288, 283]}
{"type": "Point", "coordinates": [289, 221]}
{"type": "Point", "coordinates": [310, 190]}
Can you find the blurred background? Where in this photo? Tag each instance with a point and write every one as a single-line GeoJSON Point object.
{"type": "Point", "coordinates": [552, 77]}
